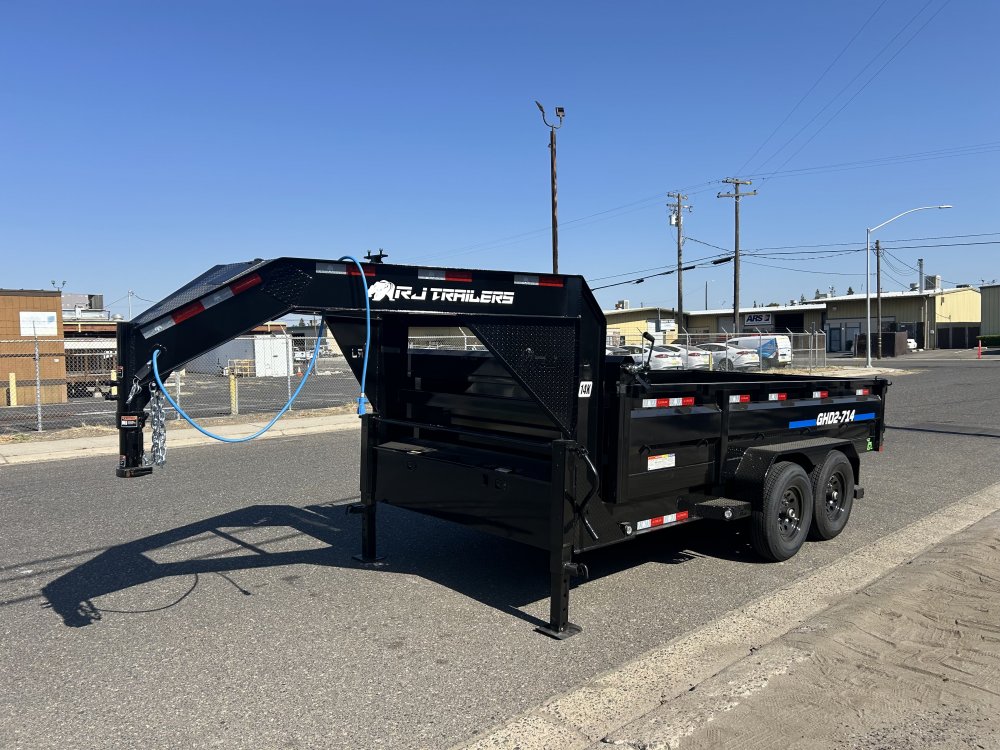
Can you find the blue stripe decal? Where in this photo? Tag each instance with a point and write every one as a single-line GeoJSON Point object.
{"type": "Point", "coordinates": [866, 417]}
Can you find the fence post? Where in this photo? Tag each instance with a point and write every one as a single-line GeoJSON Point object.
{"type": "Point", "coordinates": [12, 382]}
{"type": "Point", "coordinates": [177, 392]}
{"type": "Point", "coordinates": [287, 343]}
{"type": "Point", "coordinates": [38, 386]}
{"type": "Point", "coordinates": [234, 395]}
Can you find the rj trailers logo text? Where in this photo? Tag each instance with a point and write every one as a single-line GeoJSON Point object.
{"type": "Point", "coordinates": [386, 290]}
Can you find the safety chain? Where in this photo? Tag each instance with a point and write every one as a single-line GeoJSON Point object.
{"type": "Point", "coordinates": [158, 413]}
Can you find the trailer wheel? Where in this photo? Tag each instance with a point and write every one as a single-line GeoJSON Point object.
{"type": "Point", "coordinates": [833, 488]}
{"type": "Point", "coordinates": [779, 526]}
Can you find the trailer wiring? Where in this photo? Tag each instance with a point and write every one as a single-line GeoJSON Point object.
{"type": "Point", "coordinates": [362, 399]}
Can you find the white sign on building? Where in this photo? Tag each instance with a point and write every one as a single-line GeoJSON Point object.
{"type": "Point", "coordinates": [39, 324]}
{"type": "Point", "coordinates": [758, 320]}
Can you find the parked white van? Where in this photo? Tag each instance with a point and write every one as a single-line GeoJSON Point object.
{"type": "Point", "coordinates": [775, 350]}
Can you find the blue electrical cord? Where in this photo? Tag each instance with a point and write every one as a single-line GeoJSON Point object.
{"type": "Point", "coordinates": [362, 399]}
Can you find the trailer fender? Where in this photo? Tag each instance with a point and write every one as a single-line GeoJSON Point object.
{"type": "Point", "coordinates": [747, 480]}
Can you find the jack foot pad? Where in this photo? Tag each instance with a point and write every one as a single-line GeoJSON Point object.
{"type": "Point", "coordinates": [560, 635]}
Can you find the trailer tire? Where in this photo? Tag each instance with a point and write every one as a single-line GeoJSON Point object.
{"type": "Point", "coordinates": [780, 523]}
{"type": "Point", "coordinates": [833, 490]}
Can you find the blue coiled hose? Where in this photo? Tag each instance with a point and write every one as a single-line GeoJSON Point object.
{"type": "Point", "coordinates": [312, 362]}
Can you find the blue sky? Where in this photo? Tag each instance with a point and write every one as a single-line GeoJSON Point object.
{"type": "Point", "coordinates": [141, 143]}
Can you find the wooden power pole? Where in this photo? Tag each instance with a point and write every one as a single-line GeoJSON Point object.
{"type": "Point", "coordinates": [736, 195]}
{"type": "Point", "coordinates": [677, 215]}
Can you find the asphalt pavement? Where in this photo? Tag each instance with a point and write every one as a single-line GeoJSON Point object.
{"type": "Point", "coordinates": [216, 602]}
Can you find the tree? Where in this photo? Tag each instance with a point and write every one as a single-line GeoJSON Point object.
{"type": "Point", "coordinates": [850, 290]}
{"type": "Point", "coordinates": [817, 294]}
{"type": "Point", "coordinates": [802, 299]}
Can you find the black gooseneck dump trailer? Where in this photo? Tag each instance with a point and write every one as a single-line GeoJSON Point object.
{"type": "Point", "coordinates": [539, 436]}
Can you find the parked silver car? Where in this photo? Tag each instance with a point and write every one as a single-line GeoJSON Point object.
{"type": "Point", "coordinates": [732, 358]}
{"type": "Point", "coordinates": [662, 357]}
{"type": "Point", "coordinates": [666, 358]}
{"type": "Point", "coordinates": [690, 357]}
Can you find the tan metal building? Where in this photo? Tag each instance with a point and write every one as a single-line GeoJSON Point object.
{"type": "Point", "coordinates": [990, 309]}
{"type": "Point", "coordinates": [28, 316]}
{"type": "Point", "coordinates": [627, 326]}
{"type": "Point", "coordinates": [937, 319]}
{"type": "Point", "coordinates": [951, 318]}
{"type": "Point", "coordinates": [778, 319]}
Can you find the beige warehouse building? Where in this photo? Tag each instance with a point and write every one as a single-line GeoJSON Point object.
{"type": "Point", "coordinates": [937, 319]}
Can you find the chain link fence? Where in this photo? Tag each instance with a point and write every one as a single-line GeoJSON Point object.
{"type": "Point", "coordinates": [58, 384]}
{"type": "Point", "coordinates": [795, 351]}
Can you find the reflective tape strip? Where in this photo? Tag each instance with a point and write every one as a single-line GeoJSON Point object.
{"type": "Point", "coordinates": [334, 268]}
{"type": "Point", "coordinates": [743, 398]}
{"type": "Point", "coordinates": [777, 396]}
{"type": "Point", "coordinates": [200, 305]}
{"type": "Point", "coordinates": [220, 296]}
{"type": "Point", "coordinates": [649, 403]}
{"type": "Point", "coordinates": [157, 326]}
{"type": "Point", "coordinates": [529, 280]}
{"type": "Point", "coordinates": [342, 269]}
{"type": "Point", "coordinates": [188, 311]}
{"type": "Point", "coordinates": [861, 392]}
{"type": "Point", "coordinates": [652, 523]}
{"type": "Point", "coordinates": [821, 394]}
{"type": "Point", "coordinates": [247, 282]}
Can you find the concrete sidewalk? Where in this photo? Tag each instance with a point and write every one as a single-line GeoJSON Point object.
{"type": "Point", "coordinates": [896, 645]}
{"type": "Point", "coordinates": [912, 661]}
{"type": "Point", "coordinates": [177, 437]}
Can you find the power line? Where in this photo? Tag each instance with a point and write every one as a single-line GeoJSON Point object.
{"type": "Point", "coordinates": [812, 88]}
{"type": "Point", "coordinates": [947, 244]}
{"type": "Point", "coordinates": [869, 81]}
{"type": "Point", "coordinates": [655, 268]}
{"type": "Point", "coordinates": [802, 270]}
{"type": "Point", "coordinates": [708, 244]}
{"type": "Point", "coordinates": [919, 156]}
{"type": "Point", "coordinates": [850, 83]}
{"type": "Point", "coordinates": [943, 237]}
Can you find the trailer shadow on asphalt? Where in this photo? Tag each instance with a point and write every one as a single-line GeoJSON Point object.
{"type": "Point", "coordinates": [500, 573]}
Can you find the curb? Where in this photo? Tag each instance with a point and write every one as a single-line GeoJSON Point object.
{"type": "Point", "coordinates": [583, 718]}
{"type": "Point", "coordinates": [185, 437]}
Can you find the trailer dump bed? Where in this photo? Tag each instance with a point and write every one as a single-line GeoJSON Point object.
{"type": "Point", "coordinates": [533, 434]}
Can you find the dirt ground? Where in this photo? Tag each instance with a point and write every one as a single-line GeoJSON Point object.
{"type": "Point", "coordinates": [913, 661]}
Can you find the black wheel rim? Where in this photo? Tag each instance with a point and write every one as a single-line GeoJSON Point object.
{"type": "Point", "coordinates": [834, 496]}
{"type": "Point", "coordinates": [790, 513]}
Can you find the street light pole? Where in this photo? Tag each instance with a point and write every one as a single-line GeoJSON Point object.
{"type": "Point", "coordinates": [868, 277]}
{"type": "Point", "coordinates": [560, 113]}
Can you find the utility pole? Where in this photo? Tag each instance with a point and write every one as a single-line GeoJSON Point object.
{"type": "Point", "coordinates": [560, 113]}
{"type": "Point", "coordinates": [878, 293]}
{"type": "Point", "coordinates": [736, 195]}
{"type": "Point", "coordinates": [677, 217]}
{"type": "Point", "coordinates": [130, 294]}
